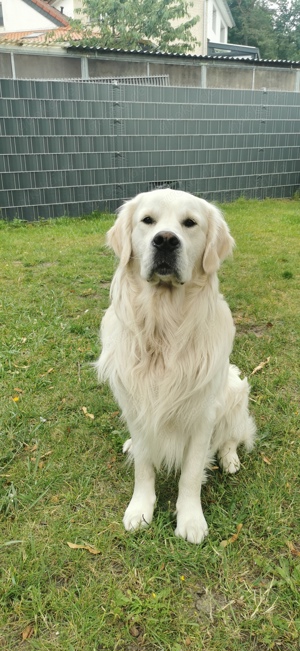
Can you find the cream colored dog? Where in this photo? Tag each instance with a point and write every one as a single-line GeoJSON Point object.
{"type": "Point", "coordinates": [166, 341]}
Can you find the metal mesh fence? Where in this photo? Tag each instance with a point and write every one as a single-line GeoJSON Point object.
{"type": "Point", "coordinates": [154, 80]}
{"type": "Point", "coordinates": [72, 148]}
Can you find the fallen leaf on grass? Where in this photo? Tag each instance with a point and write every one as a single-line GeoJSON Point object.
{"type": "Point", "coordinates": [260, 366]}
{"type": "Point", "coordinates": [46, 454]}
{"type": "Point", "coordinates": [294, 551]}
{"type": "Point", "coordinates": [134, 631]}
{"type": "Point", "coordinates": [28, 632]}
{"type": "Point", "coordinates": [88, 548]}
{"type": "Point", "coordinates": [41, 462]}
{"type": "Point", "coordinates": [50, 370]}
{"type": "Point", "coordinates": [22, 367]}
{"type": "Point", "coordinates": [233, 538]}
{"type": "Point", "coordinates": [86, 413]}
{"type": "Point", "coordinates": [266, 460]}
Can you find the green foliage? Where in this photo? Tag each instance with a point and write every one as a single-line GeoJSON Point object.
{"type": "Point", "coordinates": [273, 27]}
{"type": "Point", "coordinates": [287, 28]}
{"type": "Point", "coordinates": [127, 24]}
{"type": "Point", "coordinates": [253, 26]}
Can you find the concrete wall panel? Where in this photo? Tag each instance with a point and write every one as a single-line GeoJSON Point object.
{"type": "Point", "coordinates": [5, 65]}
{"type": "Point", "coordinates": [30, 66]}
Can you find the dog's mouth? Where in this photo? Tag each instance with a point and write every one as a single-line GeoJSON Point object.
{"type": "Point", "coordinates": [164, 269]}
{"type": "Point", "coordinates": [164, 272]}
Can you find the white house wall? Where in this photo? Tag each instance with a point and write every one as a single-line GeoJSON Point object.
{"type": "Point", "coordinates": [69, 7]}
{"type": "Point", "coordinates": [217, 22]}
{"type": "Point", "coordinates": [213, 24]}
{"type": "Point", "coordinates": [197, 8]}
{"type": "Point", "coordinates": [19, 17]}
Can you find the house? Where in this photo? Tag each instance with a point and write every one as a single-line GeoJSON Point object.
{"type": "Point", "coordinates": [30, 15]}
{"type": "Point", "coordinates": [33, 15]}
{"type": "Point", "coordinates": [68, 7]}
{"type": "Point", "coordinates": [215, 20]}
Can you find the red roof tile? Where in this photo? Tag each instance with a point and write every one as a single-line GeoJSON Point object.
{"type": "Point", "coordinates": [38, 36]}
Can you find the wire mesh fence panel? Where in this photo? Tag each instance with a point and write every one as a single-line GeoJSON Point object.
{"type": "Point", "coordinates": [73, 147]}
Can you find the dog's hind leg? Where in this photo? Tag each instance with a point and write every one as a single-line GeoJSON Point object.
{"type": "Point", "coordinates": [234, 425]}
{"type": "Point", "coordinates": [228, 458]}
{"type": "Point", "coordinates": [127, 447]}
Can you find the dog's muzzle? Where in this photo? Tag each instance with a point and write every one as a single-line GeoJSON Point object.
{"type": "Point", "coordinates": [166, 247]}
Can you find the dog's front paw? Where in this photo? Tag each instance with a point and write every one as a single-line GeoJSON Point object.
{"type": "Point", "coordinates": [191, 525]}
{"type": "Point", "coordinates": [138, 514]}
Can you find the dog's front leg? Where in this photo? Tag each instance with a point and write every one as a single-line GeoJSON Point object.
{"type": "Point", "coordinates": [139, 512]}
{"type": "Point", "coordinates": [191, 523]}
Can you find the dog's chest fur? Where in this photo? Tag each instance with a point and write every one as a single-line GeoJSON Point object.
{"type": "Point", "coordinates": [167, 340]}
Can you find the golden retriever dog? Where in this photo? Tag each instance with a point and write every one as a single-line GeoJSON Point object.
{"type": "Point", "coordinates": [166, 341]}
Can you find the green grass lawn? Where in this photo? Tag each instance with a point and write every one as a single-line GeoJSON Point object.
{"type": "Point", "coordinates": [63, 478]}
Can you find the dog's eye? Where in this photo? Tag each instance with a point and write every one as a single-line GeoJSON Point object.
{"type": "Point", "coordinates": [148, 220]}
{"type": "Point", "coordinates": [189, 223]}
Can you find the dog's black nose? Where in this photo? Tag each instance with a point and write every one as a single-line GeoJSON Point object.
{"type": "Point", "coordinates": [166, 241]}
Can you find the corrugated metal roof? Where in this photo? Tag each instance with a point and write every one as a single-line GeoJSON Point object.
{"type": "Point", "coordinates": [280, 63]}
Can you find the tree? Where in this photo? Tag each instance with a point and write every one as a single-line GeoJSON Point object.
{"type": "Point", "coordinates": [272, 26]}
{"type": "Point", "coordinates": [286, 19]}
{"type": "Point", "coordinates": [128, 24]}
{"type": "Point", "coordinates": [253, 26]}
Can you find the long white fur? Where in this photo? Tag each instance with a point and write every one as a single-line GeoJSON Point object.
{"type": "Point", "coordinates": [165, 352]}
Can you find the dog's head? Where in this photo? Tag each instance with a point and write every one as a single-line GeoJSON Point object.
{"type": "Point", "coordinates": [170, 236]}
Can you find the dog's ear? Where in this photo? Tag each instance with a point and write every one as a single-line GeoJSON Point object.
{"type": "Point", "coordinates": [219, 243]}
{"type": "Point", "coordinates": [119, 236]}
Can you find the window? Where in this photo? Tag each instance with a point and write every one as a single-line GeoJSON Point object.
{"type": "Point", "coordinates": [214, 19]}
{"type": "Point", "coordinates": [1, 16]}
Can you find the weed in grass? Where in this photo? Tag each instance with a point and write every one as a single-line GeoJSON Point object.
{"type": "Point", "coordinates": [63, 477]}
